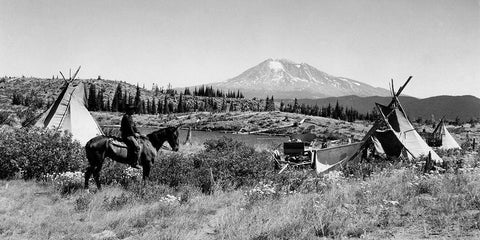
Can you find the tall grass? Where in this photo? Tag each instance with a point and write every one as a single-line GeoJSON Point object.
{"type": "Point", "coordinates": [247, 200]}
{"type": "Point", "coordinates": [394, 202]}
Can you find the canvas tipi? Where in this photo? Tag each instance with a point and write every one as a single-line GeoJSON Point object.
{"type": "Point", "coordinates": [442, 138]}
{"type": "Point", "coordinates": [400, 137]}
{"type": "Point", "coordinates": [68, 113]}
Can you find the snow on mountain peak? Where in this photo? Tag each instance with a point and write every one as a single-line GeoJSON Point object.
{"type": "Point", "coordinates": [287, 79]}
{"type": "Point", "coordinates": [276, 66]}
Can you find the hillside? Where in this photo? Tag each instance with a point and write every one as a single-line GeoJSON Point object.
{"type": "Point", "coordinates": [283, 78]}
{"type": "Point", "coordinates": [464, 107]}
{"type": "Point", "coordinates": [49, 89]}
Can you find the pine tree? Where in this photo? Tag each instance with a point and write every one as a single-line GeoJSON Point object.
{"type": "Point", "coordinates": [157, 91]}
{"type": "Point", "coordinates": [125, 101]}
{"type": "Point", "coordinates": [296, 108]}
{"type": "Point", "coordinates": [180, 104]}
{"type": "Point", "coordinates": [138, 101]}
{"type": "Point", "coordinates": [165, 106]}
{"type": "Point", "coordinates": [148, 108]}
{"type": "Point", "coordinates": [100, 103]}
{"type": "Point", "coordinates": [160, 107]}
{"type": "Point", "coordinates": [107, 105]}
{"type": "Point", "coordinates": [271, 106]}
{"type": "Point", "coordinates": [117, 99]}
{"type": "Point", "coordinates": [92, 98]}
{"type": "Point", "coordinates": [153, 109]}
{"type": "Point", "coordinates": [143, 109]}
{"type": "Point", "coordinates": [267, 102]}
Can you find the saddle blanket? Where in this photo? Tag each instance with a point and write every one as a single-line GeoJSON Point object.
{"type": "Point", "coordinates": [118, 143]}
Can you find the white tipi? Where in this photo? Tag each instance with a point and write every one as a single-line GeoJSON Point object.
{"type": "Point", "coordinates": [400, 134]}
{"type": "Point", "coordinates": [69, 113]}
{"type": "Point", "coordinates": [443, 136]}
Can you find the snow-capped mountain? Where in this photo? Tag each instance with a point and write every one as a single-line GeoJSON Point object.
{"type": "Point", "coordinates": [286, 79]}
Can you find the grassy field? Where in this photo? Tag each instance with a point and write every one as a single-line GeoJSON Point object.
{"type": "Point", "coordinates": [395, 204]}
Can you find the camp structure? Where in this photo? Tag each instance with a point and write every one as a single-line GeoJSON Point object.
{"type": "Point", "coordinates": [392, 134]}
{"type": "Point", "coordinates": [442, 138]}
{"type": "Point", "coordinates": [400, 137]}
{"type": "Point", "coordinates": [68, 113]}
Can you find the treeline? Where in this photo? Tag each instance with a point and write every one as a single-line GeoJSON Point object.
{"type": "Point", "coordinates": [202, 91]}
{"type": "Point", "coordinates": [210, 92]}
{"type": "Point", "coordinates": [168, 103]}
{"type": "Point", "coordinates": [336, 112]}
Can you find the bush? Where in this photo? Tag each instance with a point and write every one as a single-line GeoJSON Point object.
{"type": "Point", "coordinates": [173, 169]}
{"type": "Point", "coordinates": [233, 164]}
{"type": "Point", "coordinates": [118, 173]}
{"type": "Point", "coordinates": [66, 183]}
{"type": "Point", "coordinates": [34, 153]}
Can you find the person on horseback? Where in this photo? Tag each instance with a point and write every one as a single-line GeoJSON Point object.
{"type": "Point", "coordinates": [130, 134]}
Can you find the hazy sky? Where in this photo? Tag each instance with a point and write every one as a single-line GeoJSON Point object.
{"type": "Point", "coordinates": [193, 42]}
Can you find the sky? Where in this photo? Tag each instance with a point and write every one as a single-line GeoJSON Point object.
{"type": "Point", "coordinates": [188, 43]}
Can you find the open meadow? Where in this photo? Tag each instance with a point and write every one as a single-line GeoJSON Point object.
{"type": "Point", "coordinates": [224, 188]}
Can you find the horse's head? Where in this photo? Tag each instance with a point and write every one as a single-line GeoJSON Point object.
{"type": "Point", "coordinates": [172, 137]}
{"type": "Point", "coordinates": [169, 134]}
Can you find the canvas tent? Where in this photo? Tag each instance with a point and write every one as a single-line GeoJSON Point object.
{"type": "Point", "coordinates": [442, 138]}
{"type": "Point", "coordinates": [68, 113]}
{"type": "Point", "coordinates": [400, 137]}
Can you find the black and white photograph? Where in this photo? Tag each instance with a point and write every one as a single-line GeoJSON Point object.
{"type": "Point", "coordinates": [239, 119]}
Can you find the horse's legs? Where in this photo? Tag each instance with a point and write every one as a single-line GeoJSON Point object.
{"type": "Point", "coordinates": [98, 168]}
{"type": "Point", "coordinates": [146, 172]}
{"type": "Point", "coordinates": [96, 175]}
{"type": "Point", "coordinates": [92, 157]}
{"type": "Point", "coordinates": [88, 173]}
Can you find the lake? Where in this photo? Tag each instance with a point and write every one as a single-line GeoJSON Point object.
{"type": "Point", "coordinates": [199, 137]}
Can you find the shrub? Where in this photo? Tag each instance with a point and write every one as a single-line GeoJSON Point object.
{"type": "Point", "coordinates": [234, 164]}
{"type": "Point", "coordinates": [66, 182]}
{"type": "Point", "coordinates": [117, 173]}
{"type": "Point", "coordinates": [172, 169]}
{"type": "Point", "coordinates": [34, 153]}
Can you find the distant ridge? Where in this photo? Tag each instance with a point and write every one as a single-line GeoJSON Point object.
{"type": "Point", "coordinates": [465, 107]}
{"type": "Point", "coordinates": [283, 78]}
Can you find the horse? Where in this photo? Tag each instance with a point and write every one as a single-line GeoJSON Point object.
{"type": "Point", "coordinates": [100, 147]}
